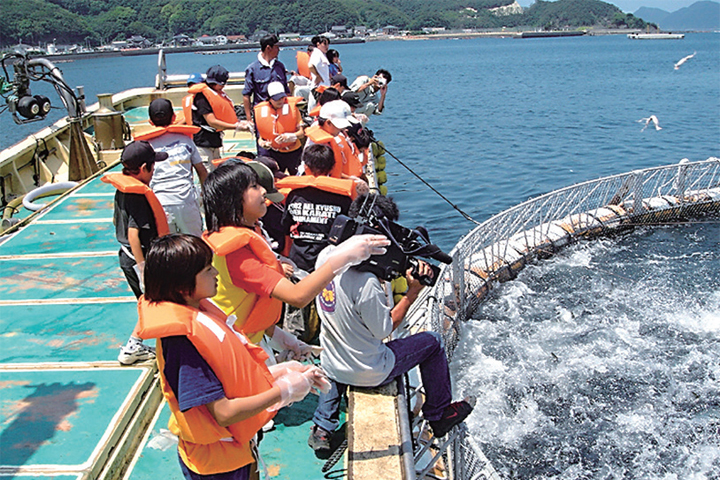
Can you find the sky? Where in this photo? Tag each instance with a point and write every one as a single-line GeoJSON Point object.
{"type": "Point", "coordinates": [631, 6]}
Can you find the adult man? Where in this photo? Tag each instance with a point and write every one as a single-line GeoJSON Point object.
{"type": "Point", "coordinates": [319, 64]}
{"type": "Point", "coordinates": [334, 117]}
{"type": "Point", "coordinates": [172, 181]}
{"type": "Point", "coordinates": [260, 73]}
{"type": "Point", "coordinates": [357, 315]}
{"type": "Point", "coordinates": [372, 91]}
{"type": "Point", "coordinates": [280, 128]}
{"type": "Point", "coordinates": [213, 111]}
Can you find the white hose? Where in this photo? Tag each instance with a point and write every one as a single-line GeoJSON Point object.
{"type": "Point", "coordinates": [43, 191]}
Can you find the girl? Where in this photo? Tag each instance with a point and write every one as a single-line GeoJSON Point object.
{"type": "Point", "coordinates": [335, 66]}
{"type": "Point", "coordinates": [217, 385]}
{"type": "Point", "coordinates": [252, 285]}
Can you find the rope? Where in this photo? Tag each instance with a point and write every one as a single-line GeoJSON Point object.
{"type": "Point", "coordinates": [335, 457]}
{"type": "Point", "coordinates": [467, 217]}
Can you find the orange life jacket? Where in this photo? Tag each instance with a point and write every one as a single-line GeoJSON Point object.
{"type": "Point", "coordinates": [254, 313]}
{"type": "Point", "coordinates": [341, 186]}
{"type": "Point", "coordinates": [346, 159]}
{"type": "Point", "coordinates": [221, 104]}
{"type": "Point", "coordinates": [128, 184]}
{"type": "Point", "coordinates": [303, 63]}
{"type": "Point", "coordinates": [271, 123]}
{"type": "Point", "coordinates": [206, 447]}
{"type": "Point", "coordinates": [155, 132]}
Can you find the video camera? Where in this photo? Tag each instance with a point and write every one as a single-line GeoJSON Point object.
{"type": "Point", "coordinates": [405, 244]}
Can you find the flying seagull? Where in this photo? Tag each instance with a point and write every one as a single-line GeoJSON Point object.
{"type": "Point", "coordinates": [683, 60]}
{"type": "Point", "coordinates": [651, 118]}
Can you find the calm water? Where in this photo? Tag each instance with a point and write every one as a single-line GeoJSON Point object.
{"type": "Point", "coordinates": [601, 363]}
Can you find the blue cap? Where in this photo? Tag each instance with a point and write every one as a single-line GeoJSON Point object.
{"type": "Point", "coordinates": [194, 78]}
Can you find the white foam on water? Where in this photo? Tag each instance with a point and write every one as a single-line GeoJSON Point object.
{"type": "Point", "coordinates": [602, 362]}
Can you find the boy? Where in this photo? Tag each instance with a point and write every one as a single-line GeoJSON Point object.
{"type": "Point", "coordinates": [138, 219]}
{"type": "Point", "coordinates": [172, 181]}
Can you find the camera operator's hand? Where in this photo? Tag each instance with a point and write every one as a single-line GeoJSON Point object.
{"type": "Point", "coordinates": [414, 285]}
{"type": "Point", "coordinates": [356, 250]}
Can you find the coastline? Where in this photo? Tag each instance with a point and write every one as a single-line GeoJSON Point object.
{"type": "Point", "coordinates": [205, 49]}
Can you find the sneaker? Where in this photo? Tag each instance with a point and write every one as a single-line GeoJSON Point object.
{"type": "Point", "coordinates": [454, 414]}
{"type": "Point", "coordinates": [319, 438]}
{"type": "Point", "coordinates": [135, 353]}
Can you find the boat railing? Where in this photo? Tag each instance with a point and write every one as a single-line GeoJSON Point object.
{"type": "Point", "coordinates": [496, 250]}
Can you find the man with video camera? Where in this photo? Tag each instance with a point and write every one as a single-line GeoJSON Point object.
{"type": "Point", "coordinates": [357, 314]}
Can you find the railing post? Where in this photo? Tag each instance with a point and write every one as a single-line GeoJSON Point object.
{"type": "Point", "coordinates": [638, 206]}
{"type": "Point", "coordinates": [680, 180]}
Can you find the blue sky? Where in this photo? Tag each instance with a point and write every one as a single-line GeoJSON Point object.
{"type": "Point", "coordinates": [630, 6]}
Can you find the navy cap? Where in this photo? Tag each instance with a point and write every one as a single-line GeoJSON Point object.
{"type": "Point", "coordinates": [217, 74]}
{"type": "Point", "coordinates": [137, 154]}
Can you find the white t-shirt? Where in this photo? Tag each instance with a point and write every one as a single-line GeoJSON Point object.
{"type": "Point", "coordinates": [322, 65]}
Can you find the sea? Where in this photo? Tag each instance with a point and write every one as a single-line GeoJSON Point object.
{"type": "Point", "coordinates": [602, 362]}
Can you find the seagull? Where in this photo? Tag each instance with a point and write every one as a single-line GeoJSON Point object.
{"type": "Point", "coordinates": [683, 60]}
{"type": "Point", "coordinates": [651, 118]}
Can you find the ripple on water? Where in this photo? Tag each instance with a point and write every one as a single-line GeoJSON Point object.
{"type": "Point", "coordinates": [602, 362]}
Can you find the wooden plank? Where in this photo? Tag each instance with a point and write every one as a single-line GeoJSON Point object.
{"type": "Point", "coordinates": [373, 434]}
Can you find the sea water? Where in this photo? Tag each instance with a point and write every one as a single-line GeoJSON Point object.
{"type": "Point", "coordinates": [602, 362]}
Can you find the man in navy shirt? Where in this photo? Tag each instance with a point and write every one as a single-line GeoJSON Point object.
{"type": "Point", "coordinates": [267, 68]}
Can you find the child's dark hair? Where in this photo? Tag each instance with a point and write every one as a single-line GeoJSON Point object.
{"type": "Point", "coordinates": [319, 159]}
{"type": "Point", "coordinates": [223, 193]}
{"type": "Point", "coordinates": [328, 95]}
{"type": "Point", "coordinates": [171, 265]}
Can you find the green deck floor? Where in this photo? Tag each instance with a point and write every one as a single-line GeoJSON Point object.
{"type": "Point", "coordinates": [65, 309]}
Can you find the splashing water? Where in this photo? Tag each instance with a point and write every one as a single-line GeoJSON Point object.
{"type": "Point", "coordinates": [602, 362]}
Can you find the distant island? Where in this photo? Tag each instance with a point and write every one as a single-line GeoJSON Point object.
{"type": "Point", "coordinates": [702, 16]}
{"type": "Point", "coordinates": [89, 24]}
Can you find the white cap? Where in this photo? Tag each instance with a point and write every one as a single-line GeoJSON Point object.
{"type": "Point", "coordinates": [338, 113]}
{"type": "Point", "coordinates": [276, 90]}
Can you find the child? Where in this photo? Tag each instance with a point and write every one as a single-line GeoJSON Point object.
{"type": "Point", "coordinates": [252, 284]}
{"type": "Point", "coordinates": [172, 181]}
{"type": "Point", "coordinates": [138, 219]}
{"type": "Point", "coordinates": [217, 385]}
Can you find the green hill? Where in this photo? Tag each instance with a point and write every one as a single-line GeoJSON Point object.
{"type": "Point", "coordinates": [95, 22]}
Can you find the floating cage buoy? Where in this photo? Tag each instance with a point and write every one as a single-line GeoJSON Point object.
{"type": "Point", "coordinates": [380, 163]}
{"type": "Point", "coordinates": [381, 177]}
{"type": "Point", "coordinates": [383, 190]}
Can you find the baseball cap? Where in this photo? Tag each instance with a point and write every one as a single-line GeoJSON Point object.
{"type": "Point", "coordinates": [217, 74]}
{"type": "Point", "coordinates": [265, 176]}
{"type": "Point", "coordinates": [338, 113]}
{"type": "Point", "coordinates": [352, 99]}
{"type": "Point", "coordinates": [194, 78]}
{"type": "Point", "coordinates": [161, 111]}
{"type": "Point", "coordinates": [137, 154]}
{"type": "Point", "coordinates": [339, 78]}
{"type": "Point", "coordinates": [276, 90]}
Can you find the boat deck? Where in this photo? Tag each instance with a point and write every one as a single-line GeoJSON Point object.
{"type": "Point", "coordinates": [66, 405]}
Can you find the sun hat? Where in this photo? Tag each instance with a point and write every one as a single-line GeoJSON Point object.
{"type": "Point", "coordinates": [265, 176]}
{"type": "Point", "coordinates": [338, 113]}
{"type": "Point", "coordinates": [276, 90]}
{"type": "Point", "coordinates": [137, 154]}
